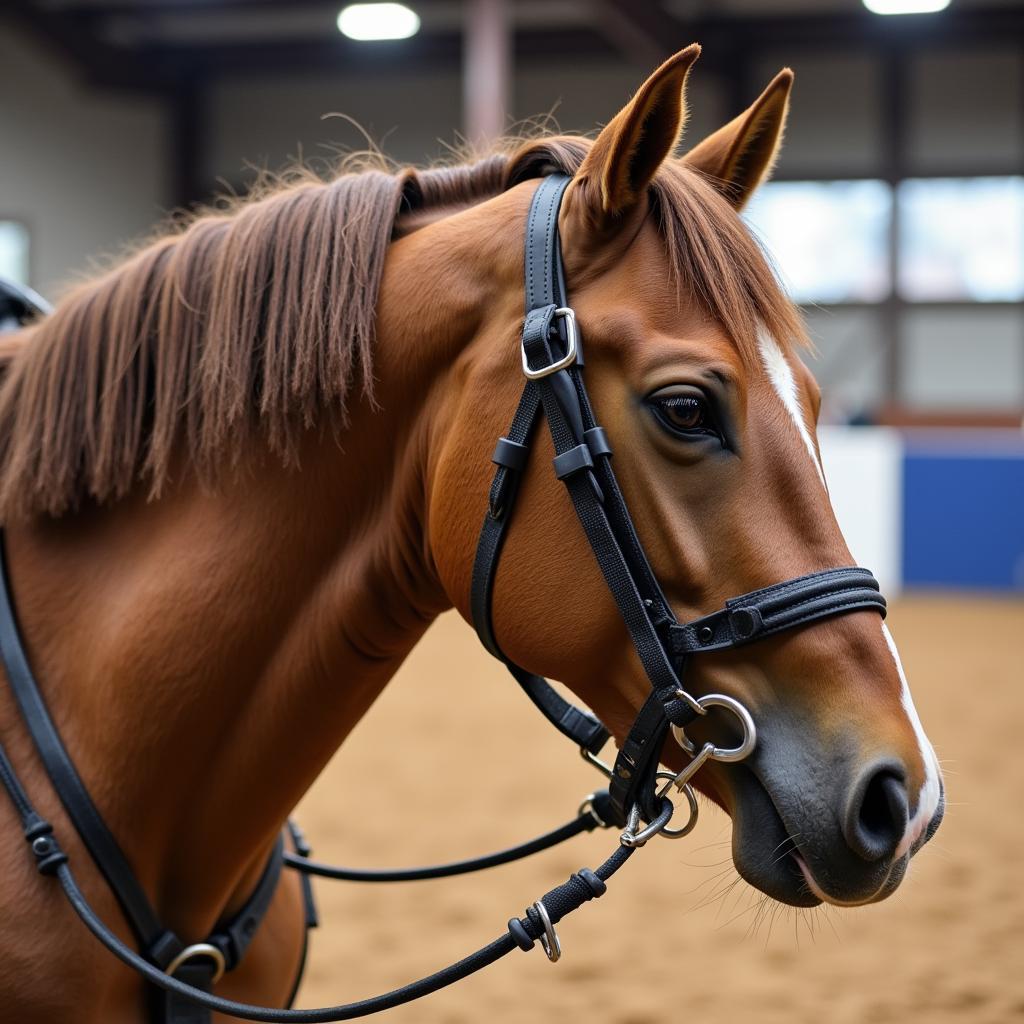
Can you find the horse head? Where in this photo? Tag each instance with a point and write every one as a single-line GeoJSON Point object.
{"type": "Point", "coordinates": [692, 363]}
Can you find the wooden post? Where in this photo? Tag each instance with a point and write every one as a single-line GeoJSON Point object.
{"type": "Point", "coordinates": [487, 60]}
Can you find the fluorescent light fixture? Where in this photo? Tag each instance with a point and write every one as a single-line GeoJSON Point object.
{"type": "Point", "coordinates": [905, 6]}
{"type": "Point", "coordinates": [378, 21]}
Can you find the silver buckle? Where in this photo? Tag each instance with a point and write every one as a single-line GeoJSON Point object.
{"type": "Point", "coordinates": [572, 347]}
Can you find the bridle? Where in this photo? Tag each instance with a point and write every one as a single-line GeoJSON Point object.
{"type": "Point", "coordinates": [553, 364]}
{"type": "Point", "coordinates": [637, 798]}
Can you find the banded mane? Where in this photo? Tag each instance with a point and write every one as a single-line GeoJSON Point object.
{"type": "Point", "coordinates": [256, 322]}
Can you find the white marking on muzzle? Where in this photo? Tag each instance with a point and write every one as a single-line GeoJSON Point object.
{"type": "Point", "coordinates": [928, 797]}
{"type": "Point", "coordinates": [780, 373]}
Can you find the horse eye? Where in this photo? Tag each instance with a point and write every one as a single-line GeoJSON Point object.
{"type": "Point", "coordinates": [687, 415]}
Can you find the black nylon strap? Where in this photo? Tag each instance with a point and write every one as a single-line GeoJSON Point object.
{"type": "Point", "coordinates": [233, 937]}
{"type": "Point", "coordinates": [562, 900]}
{"type": "Point", "coordinates": [633, 773]}
{"type": "Point", "coordinates": [170, 1007]}
{"type": "Point", "coordinates": [545, 279]}
{"type": "Point", "coordinates": [302, 849]}
{"type": "Point", "coordinates": [585, 822]}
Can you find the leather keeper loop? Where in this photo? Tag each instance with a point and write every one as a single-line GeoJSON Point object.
{"type": "Point", "coordinates": [572, 461]}
{"type": "Point", "coordinates": [597, 441]}
{"type": "Point", "coordinates": [510, 454]}
{"type": "Point", "coordinates": [164, 949]}
{"type": "Point", "coordinates": [537, 333]}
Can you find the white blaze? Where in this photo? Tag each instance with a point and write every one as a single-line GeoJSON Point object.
{"type": "Point", "coordinates": [783, 381]}
{"type": "Point", "coordinates": [780, 373]}
{"type": "Point", "coordinates": [928, 797]}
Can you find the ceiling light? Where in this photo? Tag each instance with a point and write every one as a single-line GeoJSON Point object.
{"type": "Point", "coordinates": [378, 21]}
{"type": "Point", "coordinates": [905, 6]}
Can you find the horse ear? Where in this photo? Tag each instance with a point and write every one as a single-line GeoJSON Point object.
{"type": "Point", "coordinates": [740, 155]}
{"type": "Point", "coordinates": [628, 152]}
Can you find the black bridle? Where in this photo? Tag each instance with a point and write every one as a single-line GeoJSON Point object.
{"type": "Point", "coordinates": [555, 389]}
{"type": "Point", "coordinates": [552, 359]}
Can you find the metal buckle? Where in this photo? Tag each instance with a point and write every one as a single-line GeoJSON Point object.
{"type": "Point", "coordinates": [549, 940]}
{"type": "Point", "coordinates": [709, 750]}
{"type": "Point", "coordinates": [572, 347]}
{"type": "Point", "coordinates": [198, 950]}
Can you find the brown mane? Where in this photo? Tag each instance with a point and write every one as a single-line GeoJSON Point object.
{"type": "Point", "coordinates": [257, 320]}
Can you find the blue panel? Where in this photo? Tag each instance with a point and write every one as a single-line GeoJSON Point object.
{"type": "Point", "coordinates": [963, 517]}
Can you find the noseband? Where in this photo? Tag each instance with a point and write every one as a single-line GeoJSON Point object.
{"type": "Point", "coordinates": [637, 795]}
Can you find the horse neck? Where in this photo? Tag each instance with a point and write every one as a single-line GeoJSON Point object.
{"type": "Point", "coordinates": [204, 655]}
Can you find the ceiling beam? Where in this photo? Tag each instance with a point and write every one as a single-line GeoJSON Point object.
{"type": "Point", "coordinates": [158, 67]}
{"type": "Point", "coordinates": [94, 60]}
{"type": "Point", "coordinates": [432, 52]}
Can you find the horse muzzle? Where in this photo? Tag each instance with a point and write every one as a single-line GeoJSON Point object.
{"type": "Point", "coordinates": [812, 829]}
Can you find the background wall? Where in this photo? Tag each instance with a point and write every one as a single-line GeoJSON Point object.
{"type": "Point", "coordinates": [85, 171]}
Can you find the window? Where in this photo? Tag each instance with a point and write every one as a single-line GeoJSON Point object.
{"type": "Point", "coordinates": [829, 239]}
{"type": "Point", "coordinates": [961, 239]}
{"type": "Point", "coordinates": [14, 251]}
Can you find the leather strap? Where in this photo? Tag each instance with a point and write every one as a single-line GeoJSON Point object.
{"type": "Point", "coordinates": [233, 937]}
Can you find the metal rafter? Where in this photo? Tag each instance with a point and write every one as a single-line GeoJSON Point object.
{"type": "Point", "coordinates": [645, 32]}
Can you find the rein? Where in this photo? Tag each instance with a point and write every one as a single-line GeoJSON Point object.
{"type": "Point", "coordinates": [637, 798]}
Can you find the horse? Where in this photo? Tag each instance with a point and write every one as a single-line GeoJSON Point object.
{"type": "Point", "coordinates": [243, 471]}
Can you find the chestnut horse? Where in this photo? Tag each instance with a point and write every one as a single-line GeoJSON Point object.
{"type": "Point", "coordinates": [242, 473]}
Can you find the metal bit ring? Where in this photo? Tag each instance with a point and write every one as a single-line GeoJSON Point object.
{"type": "Point", "coordinates": [725, 754]}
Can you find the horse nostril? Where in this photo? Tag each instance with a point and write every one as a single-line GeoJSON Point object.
{"type": "Point", "coordinates": [876, 819]}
